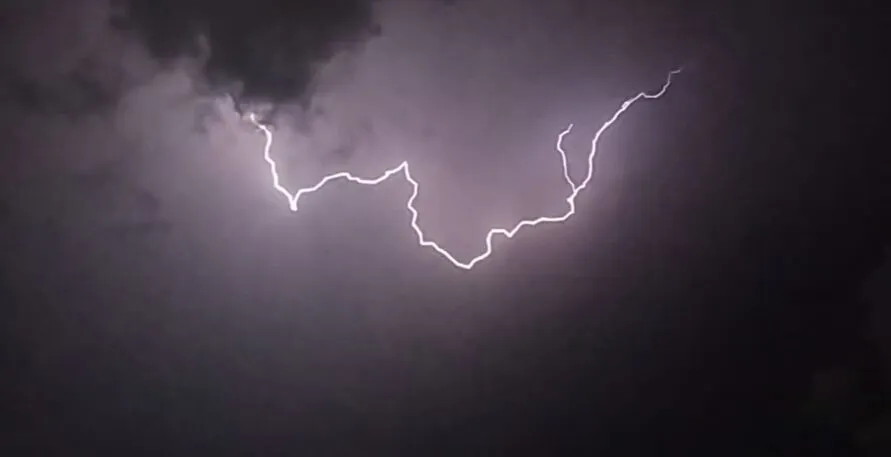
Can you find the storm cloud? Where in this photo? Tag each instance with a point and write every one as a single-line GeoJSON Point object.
{"type": "Point", "coordinates": [261, 51]}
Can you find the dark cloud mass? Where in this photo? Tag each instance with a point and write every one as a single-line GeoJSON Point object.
{"type": "Point", "coordinates": [56, 58]}
{"type": "Point", "coordinates": [267, 49]}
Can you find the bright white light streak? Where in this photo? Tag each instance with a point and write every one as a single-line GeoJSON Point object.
{"type": "Point", "coordinates": [404, 169]}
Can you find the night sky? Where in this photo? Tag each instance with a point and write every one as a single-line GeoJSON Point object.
{"type": "Point", "coordinates": [723, 289]}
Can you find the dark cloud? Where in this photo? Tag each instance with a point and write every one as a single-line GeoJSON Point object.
{"type": "Point", "coordinates": [73, 93]}
{"type": "Point", "coordinates": [266, 49]}
{"type": "Point", "coordinates": [125, 208]}
{"type": "Point", "coordinates": [140, 228]}
{"type": "Point", "coordinates": [57, 59]}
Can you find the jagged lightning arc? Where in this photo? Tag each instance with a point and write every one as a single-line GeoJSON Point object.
{"type": "Point", "coordinates": [405, 170]}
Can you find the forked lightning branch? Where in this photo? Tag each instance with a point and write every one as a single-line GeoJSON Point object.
{"type": "Point", "coordinates": [404, 170]}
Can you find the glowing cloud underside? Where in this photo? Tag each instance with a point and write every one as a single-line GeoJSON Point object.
{"type": "Point", "coordinates": [404, 169]}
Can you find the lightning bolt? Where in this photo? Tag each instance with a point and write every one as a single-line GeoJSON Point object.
{"type": "Point", "coordinates": [404, 169]}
